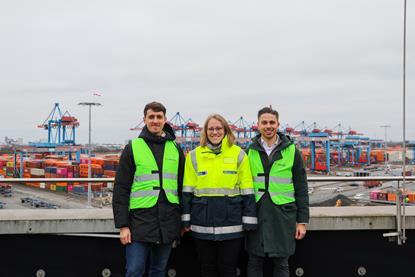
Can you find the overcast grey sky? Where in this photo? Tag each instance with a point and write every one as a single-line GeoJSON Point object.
{"type": "Point", "coordinates": [324, 61]}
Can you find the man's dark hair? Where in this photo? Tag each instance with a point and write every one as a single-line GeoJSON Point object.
{"type": "Point", "coordinates": [268, 110]}
{"type": "Point", "coordinates": [155, 106]}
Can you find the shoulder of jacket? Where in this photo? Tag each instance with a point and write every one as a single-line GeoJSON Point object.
{"type": "Point", "coordinates": [235, 147]}
{"type": "Point", "coordinates": [192, 153]}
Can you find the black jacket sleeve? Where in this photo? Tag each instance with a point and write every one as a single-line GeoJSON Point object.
{"type": "Point", "coordinates": [301, 188]}
{"type": "Point", "coordinates": [122, 187]}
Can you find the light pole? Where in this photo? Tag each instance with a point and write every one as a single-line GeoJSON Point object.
{"type": "Point", "coordinates": [402, 239]}
{"type": "Point", "coordinates": [384, 144]}
{"type": "Point", "coordinates": [89, 104]}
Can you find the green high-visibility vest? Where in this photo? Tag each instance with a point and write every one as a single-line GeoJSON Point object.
{"type": "Point", "coordinates": [280, 183]}
{"type": "Point", "coordinates": [146, 185]}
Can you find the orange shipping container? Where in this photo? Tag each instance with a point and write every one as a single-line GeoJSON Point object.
{"type": "Point", "coordinates": [97, 161]}
{"type": "Point", "coordinates": [34, 185]}
{"type": "Point", "coordinates": [391, 196]}
{"type": "Point", "coordinates": [109, 173]}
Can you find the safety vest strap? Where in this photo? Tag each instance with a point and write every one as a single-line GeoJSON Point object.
{"type": "Point", "coordinates": [217, 230]}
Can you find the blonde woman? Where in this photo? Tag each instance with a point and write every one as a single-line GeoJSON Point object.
{"type": "Point", "coordinates": [218, 198]}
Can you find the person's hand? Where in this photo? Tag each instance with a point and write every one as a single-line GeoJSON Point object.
{"type": "Point", "coordinates": [300, 231]}
{"type": "Point", "coordinates": [125, 235]}
{"type": "Point", "coordinates": [184, 230]}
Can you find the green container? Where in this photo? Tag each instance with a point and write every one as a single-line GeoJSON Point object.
{"type": "Point", "coordinates": [61, 188]}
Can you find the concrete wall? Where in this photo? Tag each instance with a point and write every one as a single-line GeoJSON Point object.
{"type": "Point", "coordinates": [101, 220]}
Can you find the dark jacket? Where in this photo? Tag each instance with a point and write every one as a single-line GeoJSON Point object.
{"type": "Point", "coordinates": [158, 224]}
{"type": "Point", "coordinates": [275, 235]}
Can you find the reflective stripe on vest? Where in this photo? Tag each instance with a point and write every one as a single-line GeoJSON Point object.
{"type": "Point", "coordinates": [280, 186]}
{"type": "Point", "coordinates": [216, 230]}
{"type": "Point", "coordinates": [143, 193]}
{"type": "Point", "coordinates": [154, 176]}
{"type": "Point", "coordinates": [146, 185]}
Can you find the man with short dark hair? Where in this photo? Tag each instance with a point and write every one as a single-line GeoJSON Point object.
{"type": "Point", "coordinates": [146, 195]}
{"type": "Point", "coordinates": [281, 194]}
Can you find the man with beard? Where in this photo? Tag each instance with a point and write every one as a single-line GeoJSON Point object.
{"type": "Point", "coordinates": [146, 195]}
{"type": "Point", "coordinates": [281, 194]}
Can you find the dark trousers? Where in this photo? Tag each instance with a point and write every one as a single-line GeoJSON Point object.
{"type": "Point", "coordinates": [280, 266]}
{"type": "Point", "coordinates": [218, 258]}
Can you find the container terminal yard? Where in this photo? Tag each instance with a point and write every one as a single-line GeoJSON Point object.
{"type": "Point", "coordinates": [41, 218]}
{"type": "Point", "coordinates": [326, 151]}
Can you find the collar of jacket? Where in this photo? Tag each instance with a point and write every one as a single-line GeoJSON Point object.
{"type": "Point", "coordinates": [148, 136]}
{"type": "Point", "coordinates": [256, 142]}
{"type": "Point", "coordinates": [224, 147]}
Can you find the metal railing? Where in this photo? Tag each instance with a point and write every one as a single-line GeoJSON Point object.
{"type": "Point", "coordinates": [310, 179]}
{"type": "Point", "coordinates": [400, 202]}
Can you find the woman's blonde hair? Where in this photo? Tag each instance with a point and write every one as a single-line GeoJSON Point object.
{"type": "Point", "coordinates": [226, 128]}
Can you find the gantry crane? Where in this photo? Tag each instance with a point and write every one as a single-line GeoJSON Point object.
{"type": "Point", "coordinates": [61, 128]}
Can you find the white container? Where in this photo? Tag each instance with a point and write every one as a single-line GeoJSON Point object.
{"type": "Point", "coordinates": [37, 171]}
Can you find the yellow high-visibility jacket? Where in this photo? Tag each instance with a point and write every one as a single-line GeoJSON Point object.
{"type": "Point", "coordinates": [218, 194]}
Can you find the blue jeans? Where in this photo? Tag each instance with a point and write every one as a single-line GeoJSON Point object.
{"type": "Point", "coordinates": [136, 254]}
